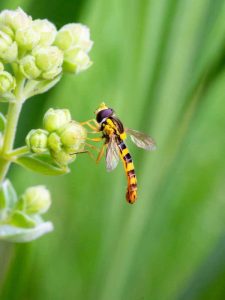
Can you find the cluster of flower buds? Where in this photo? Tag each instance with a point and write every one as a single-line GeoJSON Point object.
{"type": "Point", "coordinates": [37, 50]}
{"type": "Point", "coordinates": [61, 136]}
{"type": "Point", "coordinates": [21, 217]}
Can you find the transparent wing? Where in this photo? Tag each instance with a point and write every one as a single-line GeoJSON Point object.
{"type": "Point", "coordinates": [112, 155]}
{"type": "Point", "coordinates": [141, 140]}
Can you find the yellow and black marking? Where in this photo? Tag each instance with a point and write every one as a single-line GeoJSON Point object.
{"type": "Point", "coordinates": [131, 194]}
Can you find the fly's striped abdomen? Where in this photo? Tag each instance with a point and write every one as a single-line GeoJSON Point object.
{"type": "Point", "coordinates": [131, 194]}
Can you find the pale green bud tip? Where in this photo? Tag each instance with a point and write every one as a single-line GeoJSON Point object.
{"type": "Point", "coordinates": [56, 118]}
{"type": "Point", "coordinates": [76, 61]}
{"type": "Point", "coordinates": [28, 67]}
{"type": "Point", "coordinates": [15, 19]}
{"type": "Point", "coordinates": [54, 142]}
{"type": "Point", "coordinates": [36, 200]}
{"type": "Point", "coordinates": [63, 158]}
{"type": "Point", "coordinates": [7, 82]}
{"type": "Point", "coordinates": [74, 35]}
{"type": "Point", "coordinates": [8, 48]}
{"type": "Point", "coordinates": [48, 57]}
{"type": "Point", "coordinates": [73, 136]}
{"type": "Point", "coordinates": [27, 38]}
{"type": "Point", "coordinates": [36, 140]}
{"type": "Point", "coordinates": [46, 30]}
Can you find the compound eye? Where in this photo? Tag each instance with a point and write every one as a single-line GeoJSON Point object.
{"type": "Point", "coordinates": [103, 114]}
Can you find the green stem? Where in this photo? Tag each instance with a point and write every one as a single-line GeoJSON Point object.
{"type": "Point", "coordinates": [11, 126]}
{"type": "Point", "coordinates": [17, 152]}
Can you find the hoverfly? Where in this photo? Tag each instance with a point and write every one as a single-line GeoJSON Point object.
{"type": "Point", "coordinates": [114, 135]}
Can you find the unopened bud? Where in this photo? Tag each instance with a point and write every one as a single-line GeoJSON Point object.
{"type": "Point", "coordinates": [73, 136]}
{"type": "Point", "coordinates": [10, 55]}
{"type": "Point", "coordinates": [74, 35]}
{"type": "Point", "coordinates": [7, 82]}
{"type": "Point", "coordinates": [28, 67]}
{"type": "Point", "coordinates": [46, 30]}
{"type": "Point", "coordinates": [5, 41]}
{"type": "Point", "coordinates": [36, 140]}
{"type": "Point", "coordinates": [36, 200]}
{"type": "Point", "coordinates": [27, 38]}
{"type": "Point", "coordinates": [48, 57]}
{"type": "Point", "coordinates": [63, 158]}
{"type": "Point", "coordinates": [15, 19]}
{"type": "Point", "coordinates": [54, 142]}
{"type": "Point", "coordinates": [56, 118]}
{"type": "Point", "coordinates": [76, 61]}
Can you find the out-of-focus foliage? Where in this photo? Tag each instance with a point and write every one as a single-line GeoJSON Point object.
{"type": "Point", "coordinates": [160, 65]}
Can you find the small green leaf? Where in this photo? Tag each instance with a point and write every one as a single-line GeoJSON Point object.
{"type": "Point", "coordinates": [34, 87]}
{"type": "Point", "coordinates": [42, 164]}
{"type": "Point", "coordinates": [20, 219]}
{"type": "Point", "coordinates": [20, 235]}
{"type": "Point", "coordinates": [2, 122]}
{"type": "Point", "coordinates": [8, 195]}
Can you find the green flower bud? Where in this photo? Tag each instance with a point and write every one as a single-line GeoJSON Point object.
{"type": "Point", "coordinates": [15, 19]}
{"type": "Point", "coordinates": [54, 142]}
{"type": "Point", "coordinates": [62, 158]}
{"type": "Point", "coordinates": [46, 30]}
{"type": "Point", "coordinates": [36, 200]}
{"type": "Point", "coordinates": [74, 35]}
{"type": "Point", "coordinates": [76, 61]}
{"type": "Point", "coordinates": [73, 136]}
{"type": "Point", "coordinates": [28, 67]}
{"type": "Point", "coordinates": [48, 57]}
{"type": "Point", "coordinates": [7, 82]}
{"type": "Point", "coordinates": [5, 41]}
{"type": "Point", "coordinates": [7, 30]}
{"type": "Point", "coordinates": [51, 74]}
{"type": "Point", "coordinates": [27, 38]}
{"type": "Point", "coordinates": [10, 55]}
{"type": "Point", "coordinates": [56, 118]}
{"type": "Point", "coordinates": [36, 140]}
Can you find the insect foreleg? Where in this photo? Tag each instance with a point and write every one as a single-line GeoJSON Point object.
{"type": "Point", "coordinates": [101, 153]}
{"type": "Point", "coordinates": [94, 127]}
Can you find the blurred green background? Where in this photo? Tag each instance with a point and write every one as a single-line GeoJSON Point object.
{"type": "Point", "coordinates": [161, 65]}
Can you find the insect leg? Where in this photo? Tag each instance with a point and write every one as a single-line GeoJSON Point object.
{"type": "Point", "coordinates": [94, 127]}
{"type": "Point", "coordinates": [101, 153]}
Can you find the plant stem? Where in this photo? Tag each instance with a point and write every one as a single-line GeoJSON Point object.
{"type": "Point", "coordinates": [11, 126]}
{"type": "Point", "coordinates": [17, 152]}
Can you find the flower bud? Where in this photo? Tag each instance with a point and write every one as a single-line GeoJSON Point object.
{"type": "Point", "coordinates": [56, 118]}
{"type": "Point", "coordinates": [76, 61]}
{"type": "Point", "coordinates": [27, 38]}
{"type": "Point", "coordinates": [15, 19]}
{"type": "Point", "coordinates": [51, 74]}
{"type": "Point", "coordinates": [48, 57]}
{"type": "Point", "coordinates": [7, 82]}
{"type": "Point", "coordinates": [6, 29]}
{"type": "Point", "coordinates": [10, 55]}
{"type": "Point", "coordinates": [36, 200]}
{"type": "Point", "coordinates": [5, 41]}
{"type": "Point", "coordinates": [46, 30]}
{"type": "Point", "coordinates": [74, 35]}
{"type": "Point", "coordinates": [36, 140]}
{"type": "Point", "coordinates": [62, 158]}
{"type": "Point", "coordinates": [73, 136]}
{"type": "Point", "coordinates": [28, 67]}
{"type": "Point", "coordinates": [54, 142]}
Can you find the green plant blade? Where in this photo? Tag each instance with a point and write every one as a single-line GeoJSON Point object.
{"type": "Point", "coordinates": [41, 164]}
